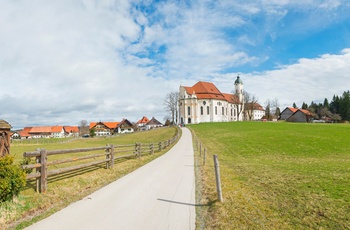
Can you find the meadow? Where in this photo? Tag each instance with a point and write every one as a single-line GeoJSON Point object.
{"type": "Point", "coordinates": [30, 206]}
{"type": "Point", "coordinates": [274, 176]}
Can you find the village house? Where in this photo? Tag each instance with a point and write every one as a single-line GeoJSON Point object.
{"type": "Point", "coordinates": [103, 128]}
{"type": "Point", "coordinates": [48, 132]}
{"type": "Point", "coordinates": [125, 126]}
{"type": "Point", "coordinates": [253, 112]}
{"type": "Point", "coordinates": [141, 124]}
{"type": "Point", "coordinates": [153, 123]}
{"type": "Point", "coordinates": [295, 115]}
{"type": "Point", "coordinates": [203, 102]}
{"type": "Point", "coordinates": [111, 128]}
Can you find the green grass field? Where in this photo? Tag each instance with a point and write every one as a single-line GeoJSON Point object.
{"type": "Point", "coordinates": [275, 176]}
{"type": "Point", "coordinates": [62, 190]}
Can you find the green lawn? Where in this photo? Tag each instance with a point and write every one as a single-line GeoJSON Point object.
{"type": "Point", "coordinates": [62, 190]}
{"type": "Point", "coordinates": [275, 175]}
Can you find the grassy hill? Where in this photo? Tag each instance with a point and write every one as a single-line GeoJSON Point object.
{"type": "Point", "coordinates": [275, 175]}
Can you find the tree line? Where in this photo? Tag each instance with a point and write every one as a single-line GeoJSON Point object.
{"type": "Point", "coordinates": [338, 109]}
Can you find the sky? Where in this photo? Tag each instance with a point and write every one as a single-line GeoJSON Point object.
{"type": "Point", "coordinates": [102, 60]}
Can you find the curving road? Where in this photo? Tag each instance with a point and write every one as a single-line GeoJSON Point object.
{"type": "Point", "coordinates": [159, 195]}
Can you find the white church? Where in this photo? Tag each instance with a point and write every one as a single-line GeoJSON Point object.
{"type": "Point", "coordinates": [203, 102]}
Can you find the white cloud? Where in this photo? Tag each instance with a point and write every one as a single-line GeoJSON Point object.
{"type": "Point", "coordinates": [63, 61]}
{"type": "Point", "coordinates": [305, 81]}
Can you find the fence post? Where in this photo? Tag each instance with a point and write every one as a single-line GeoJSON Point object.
{"type": "Point", "coordinates": [37, 161]}
{"type": "Point", "coordinates": [217, 175]}
{"type": "Point", "coordinates": [139, 149]}
{"type": "Point", "coordinates": [108, 161]}
{"type": "Point", "coordinates": [112, 156]}
{"type": "Point", "coordinates": [43, 170]}
{"type": "Point", "coordinates": [160, 146]}
{"type": "Point", "coordinates": [151, 146]}
{"type": "Point", "coordinates": [205, 156]}
{"type": "Point", "coordinates": [136, 150]}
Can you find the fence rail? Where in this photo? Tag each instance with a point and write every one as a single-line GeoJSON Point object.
{"type": "Point", "coordinates": [110, 154]}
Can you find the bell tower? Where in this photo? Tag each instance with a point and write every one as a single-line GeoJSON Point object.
{"type": "Point", "coordinates": [239, 88]}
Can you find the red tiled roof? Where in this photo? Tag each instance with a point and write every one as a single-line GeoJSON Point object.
{"type": "Point", "coordinates": [232, 98]}
{"type": "Point", "coordinates": [205, 90]}
{"type": "Point", "coordinates": [307, 112]}
{"type": "Point", "coordinates": [143, 120]}
{"type": "Point", "coordinates": [71, 129]}
{"type": "Point", "coordinates": [56, 129]}
{"type": "Point", "coordinates": [293, 109]}
{"type": "Point", "coordinates": [109, 124]}
{"type": "Point", "coordinates": [41, 129]}
{"type": "Point", "coordinates": [23, 133]}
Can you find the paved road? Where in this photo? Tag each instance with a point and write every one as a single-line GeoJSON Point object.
{"type": "Point", "coordinates": [159, 195]}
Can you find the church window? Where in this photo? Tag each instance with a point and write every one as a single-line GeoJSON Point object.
{"type": "Point", "coordinates": [223, 111]}
{"type": "Point", "coordinates": [189, 110]}
{"type": "Point", "coordinates": [216, 110]}
{"type": "Point", "coordinates": [231, 113]}
{"type": "Point", "coordinates": [204, 102]}
{"type": "Point", "coordinates": [208, 110]}
{"type": "Point", "coordinates": [201, 110]}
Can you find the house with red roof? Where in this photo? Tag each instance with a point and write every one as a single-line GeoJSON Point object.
{"type": "Point", "coordinates": [301, 115]}
{"type": "Point", "coordinates": [104, 128]}
{"type": "Point", "coordinates": [253, 111]}
{"type": "Point", "coordinates": [203, 102]}
{"type": "Point", "coordinates": [71, 131]}
{"type": "Point", "coordinates": [295, 115]}
{"type": "Point", "coordinates": [125, 126]}
{"type": "Point", "coordinates": [57, 131]}
{"type": "Point", "coordinates": [153, 123]}
{"type": "Point", "coordinates": [40, 132]}
{"type": "Point", "coordinates": [142, 122]}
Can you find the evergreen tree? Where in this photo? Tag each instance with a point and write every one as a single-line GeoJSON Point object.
{"type": "Point", "coordinates": [325, 103]}
{"type": "Point", "coordinates": [304, 106]}
{"type": "Point", "coordinates": [294, 105]}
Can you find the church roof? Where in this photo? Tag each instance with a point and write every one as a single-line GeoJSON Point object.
{"type": "Point", "coordinates": [207, 90]}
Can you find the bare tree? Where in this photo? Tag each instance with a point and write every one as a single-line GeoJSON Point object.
{"type": "Point", "coordinates": [83, 127]}
{"type": "Point", "coordinates": [275, 107]}
{"type": "Point", "coordinates": [170, 103]}
{"type": "Point", "coordinates": [249, 105]}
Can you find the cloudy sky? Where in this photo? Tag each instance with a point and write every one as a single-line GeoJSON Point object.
{"type": "Point", "coordinates": [68, 60]}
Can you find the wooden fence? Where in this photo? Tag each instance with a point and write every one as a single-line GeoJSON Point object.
{"type": "Point", "coordinates": [108, 156]}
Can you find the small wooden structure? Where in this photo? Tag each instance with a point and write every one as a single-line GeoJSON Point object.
{"type": "Point", "coordinates": [5, 128]}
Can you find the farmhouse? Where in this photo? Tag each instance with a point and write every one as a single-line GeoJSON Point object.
{"type": "Point", "coordinates": [48, 132]}
{"type": "Point", "coordinates": [253, 111]}
{"type": "Point", "coordinates": [109, 128]}
{"type": "Point", "coordinates": [142, 122]}
{"type": "Point", "coordinates": [295, 115]}
{"type": "Point", "coordinates": [203, 102]}
{"type": "Point", "coordinates": [153, 123]}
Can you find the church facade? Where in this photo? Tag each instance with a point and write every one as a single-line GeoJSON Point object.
{"type": "Point", "coordinates": [203, 102]}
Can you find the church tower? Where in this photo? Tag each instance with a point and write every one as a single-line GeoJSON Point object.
{"type": "Point", "coordinates": [239, 88]}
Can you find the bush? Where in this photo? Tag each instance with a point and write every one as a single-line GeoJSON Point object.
{"type": "Point", "coordinates": [12, 178]}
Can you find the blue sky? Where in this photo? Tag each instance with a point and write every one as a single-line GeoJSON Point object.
{"type": "Point", "coordinates": [69, 60]}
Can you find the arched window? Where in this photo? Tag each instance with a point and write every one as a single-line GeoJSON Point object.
{"type": "Point", "coordinates": [223, 111]}
{"type": "Point", "coordinates": [201, 110]}
{"type": "Point", "coordinates": [208, 110]}
{"type": "Point", "coordinates": [216, 110]}
{"type": "Point", "coordinates": [189, 110]}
